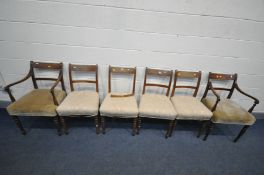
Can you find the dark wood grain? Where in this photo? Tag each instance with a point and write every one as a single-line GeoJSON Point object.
{"type": "Point", "coordinates": [189, 75]}
{"type": "Point", "coordinates": [83, 68]}
{"type": "Point", "coordinates": [157, 73]}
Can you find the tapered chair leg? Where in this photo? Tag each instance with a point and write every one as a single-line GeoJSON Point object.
{"type": "Point", "coordinates": [19, 124]}
{"type": "Point", "coordinates": [57, 123]}
{"type": "Point", "coordinates": [138, 124]}
{"type": "Point", "coordinates": [242, 131]}
{"type": "Point", "coordinates": [208, 130]}
{"type": "Point", "coordinates": [135, 123]}
{"type": "Point", "coordinates": [169, 129]}
{"type": "Point", "coordinates": [96, 120]}
{"type": "Point", "coordinates": [103, 124]}
{"type": "Point", "coordinates": [64, 126]}
{"type": "Point", "coordinates": [201, 129]}
{"type": "Point", "coordinates": [172, 128]}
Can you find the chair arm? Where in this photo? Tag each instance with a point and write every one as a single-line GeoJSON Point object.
{"type": "Point", "coordinates": [7, 88]}
{"type": "Point", "coordinates": [53, 88]}
{"type": "Point", "coordinates": [215, 93]}
{"type": "Point", "coordinates": [256, 101]}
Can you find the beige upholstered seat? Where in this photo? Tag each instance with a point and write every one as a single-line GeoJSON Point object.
{"type": "Point", "coordinates": [190, 108]}
{"type": "Point", "coordinates": [38, 102]}
{"type": "Point", "coordinates": [79, 103]}
{"type": "Point", "coordinates": [124, 107]}
{"type": "Point", "coordinates": [156, 106]}
{"type": "Point", "coordinates": [229, 112]}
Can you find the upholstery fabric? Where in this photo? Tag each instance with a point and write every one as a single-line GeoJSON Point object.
{"type": "Point", "coordinates": [190, 108]}
{"type": "Point", "coordinates": [124, 107]}
{"type": "Point", "coordinates": [38, 102]}
{"type": "Point", "coordinates": [79, 103]}
{"type": "Point", "coordinates": [156, 106]}
{"type": "Point", "coordinates": [229, 112]}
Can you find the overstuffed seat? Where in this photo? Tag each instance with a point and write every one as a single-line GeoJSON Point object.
{"type": "Point", "coordinates": [81, 103]}
{"type": "Point", "coordinates": [156, 106]}
{"type": "Point", "coordinates": [38, 102]}
{"type": "Point", "coordinates": [229, 112]}
{"type": "Point", "coordinates": [125, 107]}
{"type": "Point", "coordinates": [190, 108]}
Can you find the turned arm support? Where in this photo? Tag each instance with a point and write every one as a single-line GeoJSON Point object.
{"type": "Point", "coordinates": [52, 89]}
{"type": "Point", "coordinates": [210, 87]}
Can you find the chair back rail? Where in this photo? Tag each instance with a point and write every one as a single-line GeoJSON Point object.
{"type": "Point", "coordinates": [123, 71]}
{"type": "Point", "coordinates": [157, 73]}
{"type": "Point", "coordinates": [46, 66]}
{"type": "Point", "coordinates": [83, 68]}
{"type": "Point", "coordinates": [189, 75]}
{"type": "Point", "coordinates": [221, 77]}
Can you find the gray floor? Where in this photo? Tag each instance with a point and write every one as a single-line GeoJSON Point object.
{"type": "Point", "coordinates": [117, 152]}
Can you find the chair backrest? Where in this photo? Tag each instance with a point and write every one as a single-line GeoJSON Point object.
{"type": "Point", "coordinates": [189, 75]}
{"type": "Point", "coordinates": [83, 68]}
{"type": "Point", "coordinates": [122, 70]}
{"type": "Point", "coordinates": [157, 73]}
{"type": "Point", "coordinates": [223, 77]}
{"type": "Point", "coordinates": [46, 66]}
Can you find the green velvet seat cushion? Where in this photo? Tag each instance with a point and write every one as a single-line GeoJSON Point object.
{"type": "Point", "coordinates": [229, 112]}
{"type": "Point", "coordinates": [38, 102]}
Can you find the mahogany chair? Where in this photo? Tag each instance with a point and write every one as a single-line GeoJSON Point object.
{"type": "Point", "coordinates": [83, 103]}
{"type": "Point", "coordinates": [225, 110]}
{"type": "Point", "coordinates": [189, 107]}
{"type": "Point", "coordinates": [157, 106]}
{"type": "Point", "coordinates": [121, 105]}
{"type": "Point", "coordinates": [38, 102]}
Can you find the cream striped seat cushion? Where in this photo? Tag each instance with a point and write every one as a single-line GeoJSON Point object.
{"type": "Point", "coordinates": [123, 107]}
{"type": "Point", "coordinates": [79, 103]}
{"type": "Point", "coordinates": [156, 106]}
{"type": "Point", "coordinates": [190, 108]}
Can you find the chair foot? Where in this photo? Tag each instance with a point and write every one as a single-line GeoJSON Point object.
{"type": "Point", "coordinates": [242, 131]}
{"type": "Point", "coordinates": [63, 123]}
{"type": "Point", "coordinates": [201, 129]}
{"type": "Point", "coordinates": [56, 121]}
{"type": "Point", "coordinates": [172, 127]}
{"type": "Point", "coordinates": [135, 126]}
{"type": "Point", "coordinates": [19, 125]}
{"type": "Point", "coordinates": [96, 120]}
{"type": "Point", "coordinates": [169, 129]}
{"type": "Point", "coordinates": [208, 130]}
{"type": "Point", "coordinates": [138, 125]}
{"type": "Point", "coordinates": [103, 124]}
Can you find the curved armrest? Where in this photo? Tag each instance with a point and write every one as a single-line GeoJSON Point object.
{"type": "Point", "coordinates": [256, 101]}
{"type": "Point", "coordinates": [7, 88]}
{"type": "Point", "coordinates": [217, 96]}
{"type": "Point", "coordinates": [53, 88]}
{"type": "Point", "coordinates": [246, 94]}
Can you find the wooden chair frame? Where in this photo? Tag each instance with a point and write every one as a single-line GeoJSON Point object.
{"type": "Point", "coordinates": [189, 75]}
{"type": "Point", "coordinates": [157, 73]}
{"type": "Point", "coordinates": [124, 71]}
{"type": "Point", "coordinates": [31, 74]}
{"type": "Point", "coordinates": [82, 68]}
{"type": "Point", "coordinates": [225, 77]}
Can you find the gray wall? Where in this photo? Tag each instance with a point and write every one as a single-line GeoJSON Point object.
{"type": "Point", "coordinates": [208, 35]}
